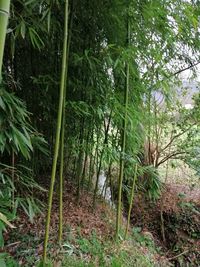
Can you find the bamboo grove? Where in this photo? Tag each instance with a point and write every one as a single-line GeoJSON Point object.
{"type": "Point", "coordinates": [85, 74]}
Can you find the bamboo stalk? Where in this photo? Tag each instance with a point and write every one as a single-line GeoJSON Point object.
{"type": "Point", "coordinates": [131, 201]}
{"type": "Point", "coordinates": [79, 172]}
{"type": "Point", "coordinates": [121, 171]}
{"type": "Point", "coordinates": [58, 130]}
{"type": "Point", "coordinates": [60, 231]}
{"type": "Point", "coordinates": [91, 170]}
{"type": "Point", "coordinates": [83, 175]}
{"type": "Point", "coordinates": [162, 221]}
{"type": "Point", "coordinates": [79, 165]}
{"type": "Point", "coordinates": [4, 14]}
{"type": "Point", "coordinates": [13, 180]}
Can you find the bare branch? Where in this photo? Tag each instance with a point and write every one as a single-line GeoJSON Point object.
{"type": "Point", "coordinates": [186, 68]}
{"type": "Point", "coordinates": [175, 137]}
{"type": "Point", "coordinates": [172, 155]}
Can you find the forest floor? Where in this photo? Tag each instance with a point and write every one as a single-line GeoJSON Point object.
{"type": "Point", "coordinates": [88, 236]}
{"type": "Point", "coordinates": [180, 205]}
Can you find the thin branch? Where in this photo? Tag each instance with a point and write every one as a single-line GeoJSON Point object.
{"type": "Point", "coordinates": [176, 136]}
{"type": "Point", "coordinates": [182, 253]}
{"type": "Point", "coordinates": [186, 68]}
{"type": "Point", "coordinates": [172, 155]}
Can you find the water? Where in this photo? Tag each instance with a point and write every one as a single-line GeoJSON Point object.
{"type": "Point", "coordinates": [103, 190]}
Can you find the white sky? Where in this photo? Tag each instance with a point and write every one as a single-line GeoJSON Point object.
{"type": "Point", "coordinates": [187, 74]}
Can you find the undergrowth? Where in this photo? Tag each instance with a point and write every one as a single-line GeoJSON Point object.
{"type": "Point", "coordinates": [93, 252]}
{"type": "Point", "coordinates": [90, 252]}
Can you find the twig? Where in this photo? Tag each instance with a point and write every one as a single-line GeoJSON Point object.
{"type": "Point", "coordinates": [13, 244]}
{"type": "Point", "coordinates": [186, 68]}
{"type": "Point", "coordinates": [176, 136]}
{"type": "Point", "coordinates": [182, 253]}
{"type": "Point", "coordinates": [172, 155]}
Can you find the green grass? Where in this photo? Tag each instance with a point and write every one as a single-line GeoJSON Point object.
{"type": "Point", "coordinates": [93, 252]}
{"type": "Point", "coordinates": [137, 250]}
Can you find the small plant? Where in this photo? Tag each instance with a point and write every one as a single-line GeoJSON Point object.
{"type": "Point", "coordinates": [152, 183]}
{"type": "Point", "coordinates": [93, 252]}
{"type": "Point", "coordinates": [7, 261]}
{"type": "Point", "coordinates": [142, 238]}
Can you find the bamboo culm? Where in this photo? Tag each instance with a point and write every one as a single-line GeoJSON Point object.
{"type": "Point", "coordinates": [60, 231]}
{"type": "Point", "coordinates": [131, 201]}
{"type": "Point", "coordinates": [58, 131]}
{"type": "Point", "coordinates": [121, 170]}
{"type": "Point", "coordinates": [79, 165]}
{"type": "Point", "coordinates": [4, 14]}
{"type": "Point", "coordinates": [84, 173]}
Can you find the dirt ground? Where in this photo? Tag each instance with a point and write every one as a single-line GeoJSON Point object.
{"type": "Point", "coordinates": [181, 212]}
{"type": "Point", "coordinates": [180, 207]}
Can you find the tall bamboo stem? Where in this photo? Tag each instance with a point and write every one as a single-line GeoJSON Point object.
{"type": "Point", "coordinates": [162, 223]}
{"type": "Point", "coordinates": [13, 180]}
{"type": "Point", "coordinates": [58, 130]}
{"type": "Point", "coordinates": [60, 231]}
{"type": "Point", "coordinates": [131, 201]}
{"type": "Point", "coordinates": [4, 14]}
{"type": "Point", "coordinates": [79, 165]}
{"type": "Point", "coordinates": [121, 171]}
{"type": "Point", "coordinates": [83, 176]}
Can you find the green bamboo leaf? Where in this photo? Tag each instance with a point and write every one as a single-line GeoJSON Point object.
{"type": "Point", "coordinates": [35, 38]}
{"type": "Point", "coordinates": [45, 14]}
{"type": "Point", "coordinates": [30, 209]}
{"type": "Point", "coordinates": [30, 2]}
{"type": "Point", "coordinates": [17, 31]}
{"type": "Point", "coordinates": [2, 104]}
{"type": "Point", "coordinates": [4, 219]}
{"type": "Point", "coordinates": [23, 29]}
{"type": "Point", "coordinates": [49, 20]}
{"type": "Point", "coordinates": [23, 139]}
{"type": "Point", "coordinates": [9, 30]}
